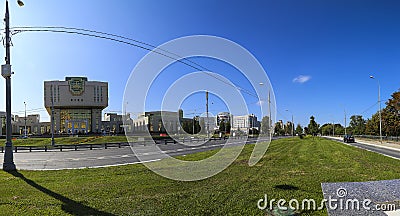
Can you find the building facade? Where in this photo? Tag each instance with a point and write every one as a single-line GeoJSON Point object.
{"type": "Point", "coordinates": [76, 104]}
{"type": "Point", "coordinates": [245, 123]}
{"type": "Point", "coordinates": [112, 123]}
{"type": "Point", "coordinates": [158, 122]}
{"type": "Point", "coordinates": [225, 117]}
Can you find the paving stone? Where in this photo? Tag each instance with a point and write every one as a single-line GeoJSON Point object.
{"type": "Point", "coordinates": [378, 192]}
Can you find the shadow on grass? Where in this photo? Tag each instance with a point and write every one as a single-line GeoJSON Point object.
{"type": "Point", "coordinates": [69, 206]}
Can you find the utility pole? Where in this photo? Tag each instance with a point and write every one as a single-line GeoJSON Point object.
{"type": "Point", "coordinates": [292, 126]}
{"type": "Point", "coordinates": [379, 101]}
{"type": "Point", "coordinates": [248, 124]}
{"type": "Point", "coordinates": [269, 110]}
{"type": "Point", "coordinates": [333, 127]}
{"type": "Point", "coordinates": [345, 123]}
{"type": "Point", "coordinates": [8, 164]}
{"type": "Point", "coordinates": [194, 117]}
{"type": "Point", "coordinates": [208, 124]}
{"type": "Point", "coordinates": [292, 131]}
{"type": "Point", "coordinates": [52, 116]}
{"type": "Point", "coordinates": [25, 121]}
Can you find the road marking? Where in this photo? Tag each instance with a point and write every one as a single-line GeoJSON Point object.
{"type": "Point", "coordinates": [365, 149]}
{"type": "Point", "coordinates": [102, 166]}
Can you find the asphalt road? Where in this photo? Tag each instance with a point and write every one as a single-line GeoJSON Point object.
{"type": "Point", "coordinates": [384, 151]}
{"type": "Point", "coordinates": [70, 159]}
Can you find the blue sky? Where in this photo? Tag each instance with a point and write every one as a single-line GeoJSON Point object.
{"type": "Point", "coordinates": [337, 45]}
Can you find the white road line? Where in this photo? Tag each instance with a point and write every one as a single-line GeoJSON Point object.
{"type": "Point", "coordinates": [93, 167]}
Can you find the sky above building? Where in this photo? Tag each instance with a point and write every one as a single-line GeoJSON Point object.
{"type": "Point", "coordinates": [318, 55]}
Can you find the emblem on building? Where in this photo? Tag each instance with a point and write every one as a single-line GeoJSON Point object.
{"type": "Point", "coordinates": [76, 85]}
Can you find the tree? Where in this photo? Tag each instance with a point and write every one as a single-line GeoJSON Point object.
{"type": "Point", "coordinates": [299, 129]}
{"type": "Point", "coordinates": [357, 125]}
{"type": "Point", "coordinates": [390, 118]}
{"type": "Point", "coordinates": [313, 127]}
{"type": "Point", "coordinates": [288, 129]}
{"type": "Point", "coordinates": [339, 129]}
{"type": "Point", "coordinates": [202, 124]}
{"type": "Point", "coordinates": [222, 126]}
{"type": "Point", "coordinates": [327, 129]}
{"type": "Point", "coordinates": [279, 130]}
{"type": "Point", "coordinates": [265, 125]}
{"type": "Point", "coordinates": [187, 126]}
{"type": "Point", "coordinates": [391, 115]}
{"type": "Point", "coordinates": [228, 127]}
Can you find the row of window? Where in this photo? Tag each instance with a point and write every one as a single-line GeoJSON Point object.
{"type": "Point", "coordinates": [98, 94]}
{"type": "Point", "coordinates": [54, 93]}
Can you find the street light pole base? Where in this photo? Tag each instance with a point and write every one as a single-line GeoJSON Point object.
{"type": "Point", "coordinates": [8, 164]}
{"type": "Point", "coordinates": [9, 167]}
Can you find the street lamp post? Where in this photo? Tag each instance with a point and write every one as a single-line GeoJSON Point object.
{"type": "Point", "coordinates": [379, 101]}
{"type": "Point", "coordinates": [25, 121]}
{"type": "Point", "coordinates": [208, 123]}
{"type": "Point", "coordinates": [52, 116]}
{"type": "Point", "coordinates": [8, 164]}
{"type": "Point", "coordinates": [292, 122]}
{"type": "Point", "coordinates": [194, 118]}
{"type": "Point", "coordinates": [345, 123]}
{"type": "Point", "coordinates": [269, 111]}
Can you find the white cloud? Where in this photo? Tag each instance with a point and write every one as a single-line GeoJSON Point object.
{"type": "Point", "coordinates": [301, 79]}
{"type": "Point", "coordinates": [260, 103]}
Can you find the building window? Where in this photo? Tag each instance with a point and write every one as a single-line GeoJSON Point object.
{"type": "Point", "coordinates": [82, 115]}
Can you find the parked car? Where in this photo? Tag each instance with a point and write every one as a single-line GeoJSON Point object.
{"type": "Point", "coordinates": [348, 138]}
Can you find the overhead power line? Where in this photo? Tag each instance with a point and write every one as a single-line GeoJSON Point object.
{"type": "Point", "coordinates": [131, 42]}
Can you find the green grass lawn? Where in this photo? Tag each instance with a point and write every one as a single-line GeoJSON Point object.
{"type": "Point", "coordinates": [292, 168]}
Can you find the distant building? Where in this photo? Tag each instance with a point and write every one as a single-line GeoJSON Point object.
{"type": "Point", "coordinates": [157, 122]}
{"type": "Point", "coordinates": [2, 123]}
{"type": "Point", "coordinates": [77, 104]}
{"type": "Point", "coordinates": [224, 116]}
{"type": "Point", "coordinates": [33, 125]}
{"type": "Point", "coordinates": [211, 121]}
{"type": "Point", "coordinates": [112, 123]}
{"type": "Point", "coordinates": [245, 123]}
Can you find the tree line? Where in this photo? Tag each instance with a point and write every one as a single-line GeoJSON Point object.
{"type": "Point", "coordinates": [357, 126]}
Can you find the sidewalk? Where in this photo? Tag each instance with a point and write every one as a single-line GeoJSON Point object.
{"type": "Point", "coordinates": [385, 144]}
